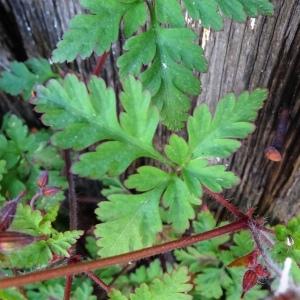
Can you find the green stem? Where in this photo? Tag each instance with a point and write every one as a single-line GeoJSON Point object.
{"type": "Point", "coordinates": [150, 151]}
{"type": "Point", "coordinates": [151, 7]}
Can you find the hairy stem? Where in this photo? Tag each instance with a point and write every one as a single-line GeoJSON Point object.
{"type": "Point", "coordinates": [34, 198]}
{"type": "Point", "coordinates": [224, 202]}
{"type": "Point", "coordinates": [98, 281]}
{"type": "Point", "coordinates": [68, 287]}
{"type": "Point", "coordinates": [123, 258]}
{"type": "Point", "coordinates": [268, 260]}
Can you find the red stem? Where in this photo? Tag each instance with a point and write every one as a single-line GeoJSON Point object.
{"type": "Point", "coordinates": [68, 287]}
{"type": "Point", "coordinates": [98, 281]}
{"type": "Point", "coordinates": [34, 198]}
{"type": "Point", "coordinates": [123, 258]}
{"type": "Point", "coordinates": [224, 202]}
{"type": "Point", "coordinates": [100, 64]}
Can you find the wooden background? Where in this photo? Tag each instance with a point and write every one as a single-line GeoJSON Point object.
{"type": "Point", "coordinates": [263, 52]}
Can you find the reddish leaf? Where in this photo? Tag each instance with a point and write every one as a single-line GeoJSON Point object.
{"type": "Point", "coordinates": [50, 191]}
{"type": "Point", "coordinates": [43, 179]}
{"type": "Point", "coordinates": [247, 260]}
{"type": "Point", "coordinates": [261, 271]}
{"type": "Point", "coordinates": [8, 212]}
{"type": "Point", "coordinates": [11, 240]}
{"type": "Point", "coordinates": [249, 281]}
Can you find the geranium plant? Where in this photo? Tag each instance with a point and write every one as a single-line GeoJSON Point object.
{"type": "Point", "coordinates": [156, 212]}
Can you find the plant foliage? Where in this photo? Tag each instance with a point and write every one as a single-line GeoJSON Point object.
{"type": "Point", "coordinates": [288, 240]}
{"type": "Point", "coordinates": [22, 78]}
{"type": "Point", "coordinates": [170, 286]}
{"type": "Point", "coordinates": [208, 263]}
{"type": "Point", "coordinates": [32, 222]}
{"type": "Point", "coordinates": [159, 201]}
{"type": "Point", "coordinates": [23, 154]}
{"type": "Point", "coordinates": [167, 48]}
{"type": "Point", "coordinates": [129, 137]}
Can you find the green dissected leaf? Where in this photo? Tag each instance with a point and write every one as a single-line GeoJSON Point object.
{"type": "Point", "coordinates": [60, 242]}
{"type": "Point", "coordinates": [23, 77]}
{"type": "Point", "coordinates": [91, 246]}
{"type": "Point", "coordinates": [210, 282]}
{"type": "Point", "coordinates": [111, 158]}
{"type": "Point", "coordinates": [232, 9]}
{"type": "Point", "coordinates": [173, 56]}
{"type": "Point", "coordinates": [206, 253]}
{"type": "Point", "coordinates": [141, 275]}
{"type": "Point", "coordinates": [169, 287]}
{"type": "Point", "coordinates": [169, 12]}
{"type": "Point", "coordinates": [98, 29]}
{"type": "Point", "coordinates": [84, 292]}
{"type": "Point", "coordinates": [147, 179]}
{"type": "Point", "coordinates": [216, 136]}
{"type": "Point", "coordinates": [243, 244]}
{"type": "Point", "coordinates": [196, 260]}
{"type": "Point", "coordinates": [255, 7]}
{"type": "Point", "coordinates": [40, 253]}
{"type": "Point", "coordinates": [134, 17]}
{"type": "Point", "coordinates": [114, 186]}
{"type": "Point", "coordinates": [51, 214]}
{"type": "Point", "coordinates": [288, 240]}
{"type": "Point", "coordinates": [206, 11]}
{"type": "Point", "coordinates": [208, 262]}
{"type": "Point", "coordinates": [177, 150]}
{"type": "Point", "coordinates": [130, 222]}
{"type": "Point", "coordinates": [178, 200]}
{"type": "Point", "coordinates": [210, 11]}
{"type": "Point", "coordinates": [204, 222]}
{"type": "Point", "coordinates": [84, 118]}
{"type": "Point", "coordinates": [117, 295]}
{"type": "Point", "coordinates": [25, 154]}
{"type": "Point", "coordinates": [54, 289]}
{"type": "Point", "coordinates": [11, 294]}
{"type": "Point", "coordinates": [16, 142]}
{"type": "Point", "coordinates": [214, 178]}
{"type": "Point", "coordinates": [35, 255]}
{"type": "Point", "coordinates": [170, 53]}
{"type": "Point", "coordinates": [30, 221]}
{"type": "Point", "coordinates": [34, 223]}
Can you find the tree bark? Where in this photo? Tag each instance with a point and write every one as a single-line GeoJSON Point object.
{"type": "Point", "coordinates": [263, 52]}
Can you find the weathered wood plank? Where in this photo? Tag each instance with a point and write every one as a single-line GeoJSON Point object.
{"type": "Point", "coordinates": [261, 54]}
